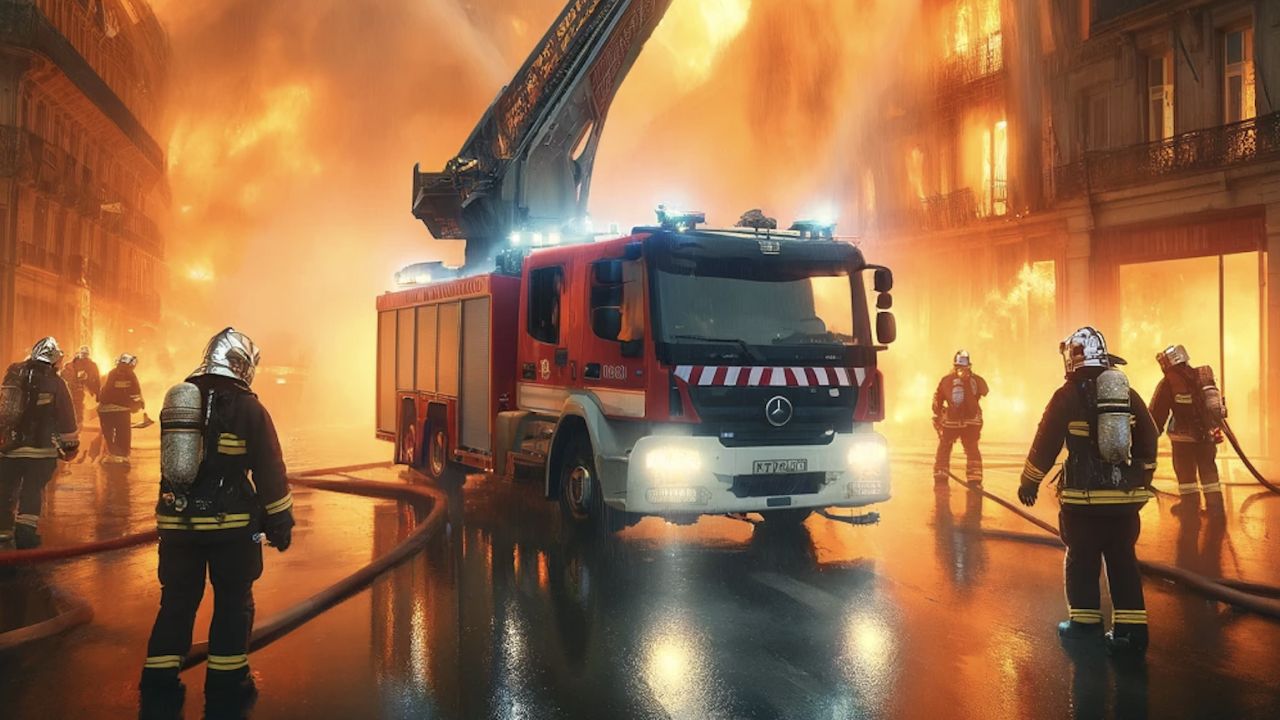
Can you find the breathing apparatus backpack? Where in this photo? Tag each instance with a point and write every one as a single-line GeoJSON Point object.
{"type": "Point", "coordinates": [1103, 461]}
{"type": "Point", "coordinates": [1211, 406]}
{"type": "Point", "coordinates": [15, 400]}
{"type": "Point", "coordinates": [182, 429]}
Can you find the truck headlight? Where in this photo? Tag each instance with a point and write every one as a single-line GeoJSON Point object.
{"type": "Point", "coordinates": [672, 462]}
{"type": "Point", "coordinates": [867, 458]}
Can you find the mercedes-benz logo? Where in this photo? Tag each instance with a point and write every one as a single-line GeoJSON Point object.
{"type": "Point", "coordinates": [778, 411]}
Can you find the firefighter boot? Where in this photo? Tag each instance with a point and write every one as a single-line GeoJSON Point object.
{"type": "Point", "coordinates": [161, 699]}
{"type": "Point", "coordinates": [25, 537]}
{"type": "Point", "coordinates": [1072, 630]}
{"type": "Point", "coordinates": [1127, 639]}
{"type": "Point", "coordinates": [229, 696]}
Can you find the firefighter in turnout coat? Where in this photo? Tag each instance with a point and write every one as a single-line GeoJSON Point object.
{"type": "Point", "coordinates": [82, 378]}
{"type": "Point", "coordinates": [44, 430]}
{"type": "Point", "coordinates": [1111, 452]}
{"type": "Point", "coordinates": [1188, 402]}
{"type": "Point", "coordinates": [214, 525]}
{"type": "Point", "coordinates": [121, 396]}
{"type": "Point", "coordinates": [957, 415]}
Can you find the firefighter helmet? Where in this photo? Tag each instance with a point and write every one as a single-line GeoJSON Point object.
{"type": "Point", "coordinates": [1086, 347]}
{"type": "Point", "coordinates": [46, 350]}
{"type": "Point", "coordinates": [83, 353]}
{"type": "Point", "coordinates": [962, 359]}
{"type": "Point", "coordinates": [127, 359]}
{"type": "Point", "coordinates": [230, 354]}
{"type": "Point", "coordinates": [1172, 356]}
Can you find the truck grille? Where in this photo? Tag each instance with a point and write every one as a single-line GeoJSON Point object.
{"type": "Point", "coordinates": [736, 414]}
{"type": "Point", "coordinates": [768, 485]}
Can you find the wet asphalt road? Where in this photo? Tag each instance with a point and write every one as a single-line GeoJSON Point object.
{"type": "Point", "coordinates": [930, 614]}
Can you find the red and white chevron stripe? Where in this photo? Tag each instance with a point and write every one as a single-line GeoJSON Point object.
{"type": "Point", "coordinates": [726, 375]}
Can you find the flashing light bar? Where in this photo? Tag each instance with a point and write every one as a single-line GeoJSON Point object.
{"type": "Point", "coordinates": [814, 229]}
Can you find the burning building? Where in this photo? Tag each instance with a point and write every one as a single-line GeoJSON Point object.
{"type": "Point", "coordinates": [82, 174]}
{"type": "Point", "coordinates": [1104, 162]}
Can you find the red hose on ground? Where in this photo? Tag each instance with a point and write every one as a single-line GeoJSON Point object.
{"type": "Point", "coordinates": [284, 622]}
{"type": "Point", "coordinates": [1235, 444]}
{"type": "Point", "coordinates": [78, 613]}
{"type": "Point", "coordinates": [1215, 590]}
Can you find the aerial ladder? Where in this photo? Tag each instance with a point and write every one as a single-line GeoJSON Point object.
{"type": "Point", "coordinates": [527, 165]}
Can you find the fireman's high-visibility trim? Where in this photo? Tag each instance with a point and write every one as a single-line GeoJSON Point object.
{"type": "Point", "coordinates": [225, 522]}
{"type": "Point", "coordinates": [1079, 429]}
{"type": "Point", "coordinates": [123, 384]}
{"type": "Point", "coordinates": [31, 453]}
{"type": "Point", "coordinates": [231, 439]}
{"type": "Point", "coordinates": [225, 663]}
{"type": "Point", "coordinates": [1149, 466]}
{"type": "Point", "coordinates": [1182, 399]}
{"type": "Point", "coordinates": [163, 662]}
{"type": "Point", "coordinates": [232, 450]}
{"type": "Point", "coordinates": [1187, 488]}
{"type": "Point", "coordinates": [1032, 472]}
{"type": "Point", "coordinates": [225, 526]}
{"type": "Point", "coordinates": [1129, 617]}
{"type": "Point", "coordinates": [280, 505]}
{"type": "Point", "coordinates": [112, 408]}
{"type": "Point", "coordinates": [1071, 496]}
{"type": "Point", "coordinates": [1213, 488]}
{"type": "Point", "coordinates": [44, 399]}
{"type": "Point", "coordinates": [31, 521]}
{"type": "Point", "coordinates": [1085, 615]}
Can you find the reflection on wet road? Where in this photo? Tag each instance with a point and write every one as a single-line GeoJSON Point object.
{"type": "Point", "coordinates": [932, 613]}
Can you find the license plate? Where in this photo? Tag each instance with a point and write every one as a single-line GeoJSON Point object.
{"type": "Point", "coordinates": [779, 467]}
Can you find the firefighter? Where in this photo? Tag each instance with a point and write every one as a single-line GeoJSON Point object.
{"type": "Point", "coordinates": [120, 397]}
{"type": "Point", "coordinates": [1195, 429]}
{"type": "Point", "coordinates": [238, 493]}
{"type": "Point", "coordinates": [45, 429]}
{"type": "Point", "coordinates": [957, 415]}
{"type": "Point", "coordinates": [82, 377]}
{"type": "Point", "coordinates": [1111, 451]}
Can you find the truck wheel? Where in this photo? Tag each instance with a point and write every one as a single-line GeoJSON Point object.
{"type": "Point", "coordinates": [436, 463]}
{"type": "Point", "coordinates": [793, 517]}
{"type": "Point", "coordinates": [581, 497]}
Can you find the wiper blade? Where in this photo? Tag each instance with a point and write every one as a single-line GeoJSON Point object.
{"type": "Point", "coordinates": [746, 349]}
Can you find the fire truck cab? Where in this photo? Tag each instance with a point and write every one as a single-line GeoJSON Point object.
{"type": "Point", "coordinates": [673, 372]}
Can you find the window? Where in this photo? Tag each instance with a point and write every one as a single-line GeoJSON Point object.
{"type": "Point", "coordinates": [1096, 122]}
{"type": "Point", "coordinates": [1159, 97]}
{"type": "Point", "coordinates": [1238, 78]}
{"type": "Point", "coordinates": [546, 286]}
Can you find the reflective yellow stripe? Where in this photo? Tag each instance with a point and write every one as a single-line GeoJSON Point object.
{"type": "Point", "coordinates": [228, 526]}
{"type": "Point", "coordinates": [224, 450]}
{"type": "Point", "coordinates": [123, 384]}
{"type": "Point", "coordinates": [1186, 488]}
{"type": "Point", "coordinates": [32, 453]}
{"type": "Point", "coordinates": [1129, 617]}
{"type": "Point", "coordinates": [1033, 472]}
{"type": "Point", "coordinates": [228, 522]}
{"type": "Point", "coordinates": [280, 505]}
{"type": "Point", "coordinates": [1213, 488]}
{"type": "Point", "coordinates": [1078, 427]}
{"type": "Point", "coordinates": [110, 408]}
{"type": "Point", "coordinates": [1182, 399]}
{"type": "Point", "coordinates": [1071, 496]}
{"type": "Point", "coordinates": [228, 662]}
{"type": "Point", "coordinates": [230, 439]}
{"type": "Point", "coordinates": [44, 399]}
{"type": "Point", "coordinates": [1088, 617]}
{"type": "Point", "coordinates": [162, 662]}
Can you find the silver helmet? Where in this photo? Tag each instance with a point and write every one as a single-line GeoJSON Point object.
{"type": "Point", "coordinates": [1086, 347]}
{"type": "Point", "coordinates": [962, 359]}
{"type": "Point", "coordinates": [46, 350]}
{"type": "Point", "coordinates": [83, 353]}
{"type": "Point", "coordinates": [127, 359]}
{"type": "Point", "coordinates": [1172, 356]}
{"type": "Point", "coordinates": [230, 354]}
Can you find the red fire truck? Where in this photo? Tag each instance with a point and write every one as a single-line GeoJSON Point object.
{"type": "Point", "coordinates": [673, 372]}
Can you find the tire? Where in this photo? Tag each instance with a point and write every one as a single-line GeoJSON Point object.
{"type": "Point", "coordinates": [581, 497]}
{"type": "Point", "coordinates": [435, 462]}
{"type": "Point", "coordinates": [792, 517]}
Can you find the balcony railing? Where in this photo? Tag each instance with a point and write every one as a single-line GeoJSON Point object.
{"type": "Point", "coordinates": [30, 255]}
{"type": "Point", "coordinates": [1216, 148]}
{"type": "Point", "coordinates": [985, 57]}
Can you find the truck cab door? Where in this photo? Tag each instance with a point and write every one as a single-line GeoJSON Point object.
{"type": "Point", "coordinates": [547, 368]}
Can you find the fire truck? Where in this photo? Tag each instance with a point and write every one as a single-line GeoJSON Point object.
{"type": "Point", "coordinates": [673, 371]}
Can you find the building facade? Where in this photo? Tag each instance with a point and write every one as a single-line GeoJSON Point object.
{"type": "Point", "coordinates": [1104, 162]}
{"type": "Point", "coordinates": [82, 174]}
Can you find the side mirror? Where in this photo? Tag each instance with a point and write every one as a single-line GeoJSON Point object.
{"type": "Point", "coordinates": [608, 272]}
{"type": "Point", "coordinates": [883, 280]}
{"type": "Point", "coordinates": [884, 301]}
{"type": "Point", "coordinates": [886, 328]}
{"type": "Point", "coordinates": [606, 322]}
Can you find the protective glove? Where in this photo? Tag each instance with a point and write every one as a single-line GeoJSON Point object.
{"type": "Point", "coordinates": [1028, 492]}
{"type": "Point", "coordinates": [280, 530]}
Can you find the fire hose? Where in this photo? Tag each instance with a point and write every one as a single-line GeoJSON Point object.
{"type": "Point", "coordinates": [79, 612]}
{"type": "Point", "coordinates": [1254, 597]}
{"type": "Point", "coordinates": [1235, 443]}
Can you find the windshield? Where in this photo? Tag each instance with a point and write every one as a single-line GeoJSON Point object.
{"type": "Point", "coordinates": [811, 310]}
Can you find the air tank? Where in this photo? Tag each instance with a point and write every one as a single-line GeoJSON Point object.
{"type": "Point", "coordinates": [12, 401]}
{"type": "Point", "coordinates": [1115, 433]}
{"type": "Point", "coordinates": [1215, 407]}
{"type": "Point", "coordinates": [181, 435]}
